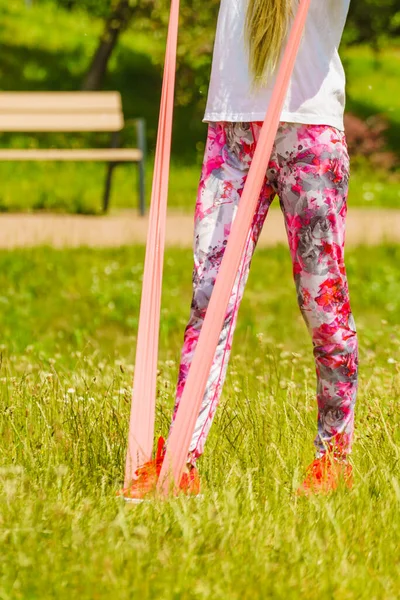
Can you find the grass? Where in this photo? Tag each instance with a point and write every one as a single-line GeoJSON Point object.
{"type": "Point", "coordinates": [47, 186]}
{"type": "Point", "coordinates": [79, 188]}
{"type": "Point", "coordinates": [44, 48]}
{"type": "Point", "coordinates": [68, 321]}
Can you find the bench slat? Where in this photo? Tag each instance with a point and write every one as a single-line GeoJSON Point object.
{"type": "Point", "coordinates": [60, 111]}
{"type": "Point", "coordinates": [62, 102]}
{"type": "Point", "coordinates": [95, 155]}
{"type": "Point", "coordinates": [61, 122]}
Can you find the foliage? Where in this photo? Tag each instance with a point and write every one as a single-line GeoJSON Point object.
{"type": "Point", "coordinates": [99, 8]}
{"type": "Point", "coordinates": [102, 8]}
{"type": "Point", "coordinates": [196, 39]}
{"type": "Point", "coordinates": [68, 323]}
{"type": "Point", "coordinates": [371, 21]}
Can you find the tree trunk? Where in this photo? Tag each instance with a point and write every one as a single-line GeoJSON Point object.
{"type": "Point", "coordinates": [115, 24]}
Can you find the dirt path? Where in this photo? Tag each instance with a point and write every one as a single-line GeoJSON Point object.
{"type": "Point", "coordinates": [372, 227]}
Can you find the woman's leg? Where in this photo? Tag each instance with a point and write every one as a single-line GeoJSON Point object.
{"type": "Point", "coordinates": [313, 186]}
{"type": "Point", "coordinates": [229, 150]}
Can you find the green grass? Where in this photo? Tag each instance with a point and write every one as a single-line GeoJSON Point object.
{"type": "Point", "coordinates": [44, 48]}
{"type": "Point", "coordinates": [79, 188]}
{"type": "Point", "coordinates": [47, 186]}
{"type": "Point", "coordinates": [68, 321]}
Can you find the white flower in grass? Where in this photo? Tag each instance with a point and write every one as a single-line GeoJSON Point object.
{"type": "Point", "coordinates": [369, 196]}
{"type": "Point", "coordinates": [61, 470]}
{"type": "Point", "coordinates": [71, 390]}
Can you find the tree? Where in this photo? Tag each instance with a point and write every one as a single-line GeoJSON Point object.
{"type": "Point", "coordinates": [117, 21]}
{"type": "Point", "coordinates": [117, 15]}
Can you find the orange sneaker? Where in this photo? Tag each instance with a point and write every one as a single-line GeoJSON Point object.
{"type": "Point", "coordinates": [146, 477]}
{"type": "Point", "coordinates": [190, 483]}
{"type": "Point", "coordinates": [325, 474]}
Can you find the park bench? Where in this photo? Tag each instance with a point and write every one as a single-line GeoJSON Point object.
{"type": "Point", "coordinates": [73, 112]}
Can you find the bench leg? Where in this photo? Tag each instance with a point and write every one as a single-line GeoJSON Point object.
{"type": "Point", "coordinates": [141, 138]}
{"type": "Point", "coordinates": [107, 188]}
{"type": "Point", "coordinates": [142, 200]}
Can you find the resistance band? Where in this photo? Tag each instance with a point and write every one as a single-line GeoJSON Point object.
{"type": "Point", "coordinates": [141, 425]}
{"type": "Point", "coordinates": [190, 403]}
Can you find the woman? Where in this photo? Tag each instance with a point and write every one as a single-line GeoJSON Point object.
{"type": "Point", "coordinates": [309, 171]}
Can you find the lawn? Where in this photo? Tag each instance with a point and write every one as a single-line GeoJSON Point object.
{"type": "Point", "coordinates": [44, 48]}
{"type": "Point", "coordinates": [68, 321]}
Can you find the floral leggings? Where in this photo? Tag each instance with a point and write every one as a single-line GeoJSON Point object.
{"type": "Point", "coordinates": [309, 171]}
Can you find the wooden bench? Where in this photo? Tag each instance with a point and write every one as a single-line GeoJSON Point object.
{"type": "Point", "coordinates": [73, 112]}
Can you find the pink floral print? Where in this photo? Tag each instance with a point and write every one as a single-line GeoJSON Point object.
{"type": "Point", "coordinates": [309, 171]}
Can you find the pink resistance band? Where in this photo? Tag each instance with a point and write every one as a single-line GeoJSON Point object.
{"type": "Point", "coordinates": [141, 425]}
{"type": "Point", "coordinates": [143, 404]}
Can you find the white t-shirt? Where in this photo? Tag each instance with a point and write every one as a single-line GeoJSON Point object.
{"type": "Point", "coordinates": [316, 93]}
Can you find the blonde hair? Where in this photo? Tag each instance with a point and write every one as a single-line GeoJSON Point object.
{"type": "Point", "coordinates": [266, 29]}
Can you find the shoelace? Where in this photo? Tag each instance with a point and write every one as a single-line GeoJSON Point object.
{"type": "Point", "coordinates": [143, 472]}
{"type": "Point", "coordinates": [317, 469]}
{"type": "Point", "coordinates": [320, 466]}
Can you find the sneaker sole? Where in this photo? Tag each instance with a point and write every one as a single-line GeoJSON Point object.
{"type": "Point", "coordinates": [135, 500]}
{"type": "Point", "coordinates": [140, 500]}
